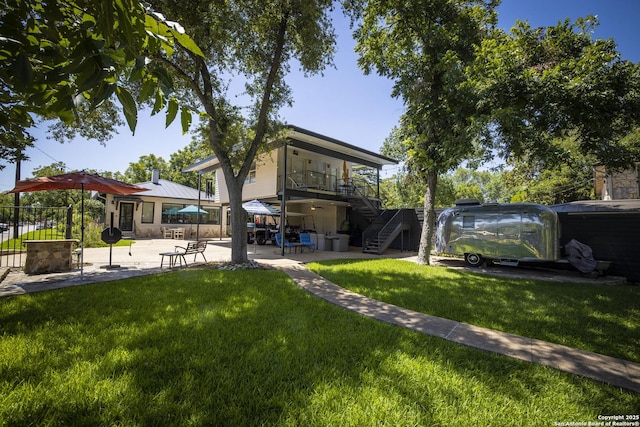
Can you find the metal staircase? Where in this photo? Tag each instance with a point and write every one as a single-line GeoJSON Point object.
{"type": "Point", "coordinates": [384, 230]}
{"type": "Point", "coordinates": [368, 208]}
{"type": "Point", "coordinates": [364, 207]}
{"type": "Point", "coordinates": [385, 225]}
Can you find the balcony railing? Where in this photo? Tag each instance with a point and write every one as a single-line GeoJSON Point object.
{"type": "Point", "coordinates": [329, 183]}
{"type": "Point", "coordinates": [310, 181]}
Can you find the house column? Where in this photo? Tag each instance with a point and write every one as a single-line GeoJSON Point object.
{"type": "Point", "coordinates": [283, 203]}
{"type": "Point", "coordinates": [638, 180]}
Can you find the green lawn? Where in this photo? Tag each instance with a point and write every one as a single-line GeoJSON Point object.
{"type": "Point", "coordinates": [52, 234]}
{"type": "Point", "coordinates": [43, 234]}
{"type": "Point", "coordinates": [207, 347]}
{"type": "Point", "coordinates": [600, 318]}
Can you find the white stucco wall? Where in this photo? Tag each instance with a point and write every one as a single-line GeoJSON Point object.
{"type": "Point", "coordinates": [154, 229]}
{"type": "Point", "coordinates": [266, 183]}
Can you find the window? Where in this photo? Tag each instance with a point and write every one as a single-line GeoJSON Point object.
{"type": "Point", "coordinates": [212, 216]}
{"type": "Point", "coordinates": [468, 221]}
{"type": "Point", "coordinates": [251, 176]}
{"type": "Point", "coordinates": [147, 212]}
{"type": "Point", "coordinates": [170, 213]}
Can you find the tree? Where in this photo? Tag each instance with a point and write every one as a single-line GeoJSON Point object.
{"type": "Point", "coordinates": [198, 149]}
{"type": "Point", "coordinates": [469, 87]}
{"type": "Point", "coordinates": [534, 180]}
{"type": "Point", "coordinates": [6, 200]}
{"type": "Point", "coordinates": [141, 170]}
{"type": "Point", "coordinates": [53, 198]}
{"type": "Point", "coordinates": [406, 189]}
{"type": "Point", "coordinates": [258, 41]}
{"type": "Point", "coordinates": [539, 85]}
{"type": "Point", "coordinates": [403, 189]}
{"type": "Point", "coordinates": [425, 46]}
{"type": "Point", "coordinates": [60, 59]}
{"type": "Point", "coordinates": [484, 185]}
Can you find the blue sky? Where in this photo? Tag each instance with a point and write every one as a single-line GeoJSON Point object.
{"type": "Point", "coordinates": [343, 103]}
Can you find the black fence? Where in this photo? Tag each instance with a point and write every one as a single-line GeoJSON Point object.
{"type": "Point", "coordinates": [21, 223]}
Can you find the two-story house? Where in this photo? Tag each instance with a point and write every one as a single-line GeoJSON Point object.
{"type": "Point", "coordinates": [332, 185]}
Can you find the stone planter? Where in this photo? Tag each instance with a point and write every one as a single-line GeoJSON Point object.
{"type": "Point", "coordinates": [48, 256]}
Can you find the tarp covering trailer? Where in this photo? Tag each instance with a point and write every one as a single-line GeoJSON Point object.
{"type": "Point", "coordinates": [506, 233]}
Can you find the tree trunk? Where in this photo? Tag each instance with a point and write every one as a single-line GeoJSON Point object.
{"type": "Point", "coordinates": [238, 220]}
{"type": "Point", "coordinates": [426, 237]}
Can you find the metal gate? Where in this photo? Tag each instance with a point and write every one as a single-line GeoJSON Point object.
{"type": "Point", "coordinates": [20, 223]}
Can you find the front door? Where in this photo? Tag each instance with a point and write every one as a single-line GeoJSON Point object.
{"type": "Point", "coordinates": [126, 217]}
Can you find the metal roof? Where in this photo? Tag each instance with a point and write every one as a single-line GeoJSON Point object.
{"type": "Point", "coordinates": [602, 206]}
{"type": "Point", "coordinates": [316, 139]}
{"type": "Point", "coordinates": [169, 189]}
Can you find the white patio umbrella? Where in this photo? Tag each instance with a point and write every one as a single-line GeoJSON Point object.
{"type": "Point", "coordinates": [257, 207]}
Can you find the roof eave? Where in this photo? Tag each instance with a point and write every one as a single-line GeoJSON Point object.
{"type": "Point", "coordinates": [312, 138]}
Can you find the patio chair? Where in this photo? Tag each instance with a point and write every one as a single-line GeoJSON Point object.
{"type": "Point", "coordinates": [306, 242]}
{"type": "Point", "coordinates": [167, 233]}
{"type": "Point", "coordinates": [178, 233]}
{"type": "Point", "coordinates": [289, 245]}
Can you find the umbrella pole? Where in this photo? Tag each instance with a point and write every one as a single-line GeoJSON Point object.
{"type": "Point", "coordinates": [198, 213]}
{"type": "Point", "coordinates": [82, 236]}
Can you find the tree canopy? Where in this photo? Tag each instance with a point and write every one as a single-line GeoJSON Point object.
{"type": "Point", "coordinates": [60, 58]}
{"type": "Point", "coordinates": [255, 42]}
{"type": "Point", "coordinates": [536, 85]}
{"type": "Point", "coordinates": [425, 47]}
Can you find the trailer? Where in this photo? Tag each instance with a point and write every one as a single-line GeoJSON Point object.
{"type": "Point", "coordinates": [504, 233]}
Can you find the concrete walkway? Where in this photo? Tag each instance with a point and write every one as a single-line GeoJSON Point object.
{"type": "Point", "coordinates": [617, 372]}
{"type": "Point", "coordinates": [606, 369]}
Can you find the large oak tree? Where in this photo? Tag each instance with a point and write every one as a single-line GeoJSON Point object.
{"type": "Point", "coordinates": [468, 86]}
{"type": "Point", "coordinates": [256, 42]}
{"type": "Point", "coordinates": [425, 46]}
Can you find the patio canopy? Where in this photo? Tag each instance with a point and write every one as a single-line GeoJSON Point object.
{"type": "Point", "coordinates": [256, 207]}
{"type": "Point", "coordinates": [171, 211]}
{"type": "Point", "coordinates": [192, 209]}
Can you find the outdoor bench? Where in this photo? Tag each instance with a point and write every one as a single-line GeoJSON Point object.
{"type": "Point", "coordinates": [179, 253]}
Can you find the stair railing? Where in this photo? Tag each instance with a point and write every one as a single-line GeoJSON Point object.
{"type": "Point", "coordinates": [382, 227]}
{"type": "Point", "coordinates": [357, 191]}
{"type": "Point", "coordinates": [371, 232]}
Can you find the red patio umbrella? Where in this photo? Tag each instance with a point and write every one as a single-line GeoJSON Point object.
{"type": "Point", "coordinates": [76, 181]}
{"type": "Point", "coordinates": [81, 180]}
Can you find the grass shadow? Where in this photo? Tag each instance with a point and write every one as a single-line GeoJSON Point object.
{"type": "Point", "coordinates": [204, 347]}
